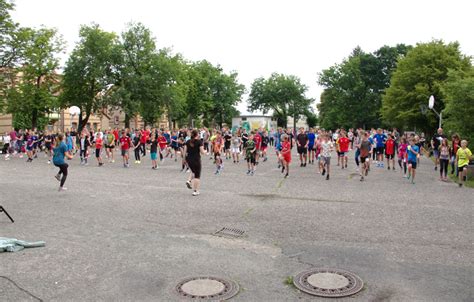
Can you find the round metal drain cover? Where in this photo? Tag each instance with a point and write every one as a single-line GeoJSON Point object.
{"type": "Point", "coordinates": [207, 288]}
{"type": "Point", "coordinates": [328, 282]}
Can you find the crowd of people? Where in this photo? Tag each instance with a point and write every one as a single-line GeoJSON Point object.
{"type": "Point", "coordinates": [371, 148]}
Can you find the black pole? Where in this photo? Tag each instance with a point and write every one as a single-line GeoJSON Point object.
{"type": "Point", "coordinates": [6, 213]}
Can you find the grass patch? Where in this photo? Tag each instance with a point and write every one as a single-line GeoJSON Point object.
{"type": "Point", "coordinates": [289, 281]}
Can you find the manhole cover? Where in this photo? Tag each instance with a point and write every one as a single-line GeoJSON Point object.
{"type": "Point", "coordinates": [229, 232]}
{"type": "Point", "coordinates": [328, 282]}
{"type": "Point", "coordinates": [207, 288]}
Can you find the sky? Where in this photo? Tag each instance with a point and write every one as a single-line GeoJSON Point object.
{"type": "Point", "coordinates": [259, 37]}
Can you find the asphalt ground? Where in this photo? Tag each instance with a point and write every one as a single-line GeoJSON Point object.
{"type": "Point", "coordinates": [132, 234]}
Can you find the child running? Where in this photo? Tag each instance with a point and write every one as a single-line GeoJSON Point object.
{"type": "Point", "coordinates": [390, 152]}
{"type": "Point", "coordinates": [402, 156]}
{"type": "Point", "coordinates": [98, 149]}
{"type": "Point", "coordinates": [285, 156]}
{"type": "Point", "coordinates": [326, 149]}
{"type": "Point", "coordinates": [463, 156]}
{"type": "Point", "coordinates": [413, 150]}
{"type": "Point", "coordinates": [250, 154]}
{"type": "Point", "coordinates": [125, 143]}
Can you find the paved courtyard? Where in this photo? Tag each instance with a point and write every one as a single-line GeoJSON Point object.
{"type": "Point", "coordinates": [132, 234]}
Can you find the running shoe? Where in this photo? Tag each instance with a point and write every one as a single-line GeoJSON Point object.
{"type": "Point", "coordinates": [188, 184]}
{"type": "Point", "coordinates": [327, 177]}
{"type": "Point", "coordinates": [62, 189]}
{"type": "Point", "coordinates": [195, 193]}
{"type": "Point", "coordinates": [248, 172]}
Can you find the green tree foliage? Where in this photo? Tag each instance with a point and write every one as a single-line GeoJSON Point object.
{"type": "Point", "coordinates": [353, 89]}
{"type": "Point", "coordinates": [418, 75]}
{"type": "Point", "coordinates": [139, 74]}
{"type": "Point", "coordinates": [35, 93]}
{"type": "Point", "coordinates": [459, 100]}
{"type": "Point", "coordinates": [282, 94]}
{"type": "Point", "coordinates": [90, 71]}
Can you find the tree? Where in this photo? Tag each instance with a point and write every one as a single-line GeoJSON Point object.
{"type": "Point", "coordinates": [139, 75]}
{"type": "Point", "coordinates": [13, 39]}
{"type": "Point", "coordinates": [282, 94]}
{"type": "Point", "coordinates": [353, 89]}
{"type": "Point", "coordinates": [198, 97]}
{"type": "Point", "coordinates": [35, 94]}
{"type": "Point", "coordinates": [90, 71]}
{"type": "Point", "coordinates": [419, 74]}
{"type": "Point", "coordinates": [459, 100]}
{"type": "Point", "coordinates": [226, 93]}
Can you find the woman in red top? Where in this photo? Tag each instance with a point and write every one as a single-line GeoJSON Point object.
{"type": "Point", "coordinates": [285, 154]}
{"type": "Point", "coordinates": [162, 143]}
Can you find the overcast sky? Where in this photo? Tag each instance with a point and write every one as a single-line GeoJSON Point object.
{"type": "Point", "coordinates": [257, 37]}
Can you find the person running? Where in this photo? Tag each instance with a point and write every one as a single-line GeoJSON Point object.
{"type": "Point", "coordinates": [61, 151]}
{"type": "Point", "coordinates": [163, 144]}
{"type": "Point", "coordinates": [285, 154]}
{"type": "Point", "coordinates": [217, 145]}
{"type": "Point", "coordinates": [174, 145]}
{"type": "Point", "coordinates": [193, 150]}
{"type": "Point", "coordinates": [443, 160]}
{"type": "Point", "coordinates": [250, 154]}
{"type": "Point", "coordinates": [326, 149]}
{"type": "Point", "coordinates": [435, 143]}
{"type": "Point", "coordinates": [356, 145]}
{"type": "Point", "coordinates": [258, 145]}
{"type": "Point", "coordinates": [84, 144]}
{"type": "Point", "coordinates": [236, 142]}
{"type": "Point", "coordinates": [463, 156]}
{"type": "Point", "coordinates": [455, 145]}
{"type": "Point", "coordinates": [144, 138]}
{"type": "Point", "coordinates": [265, 143]}
{"type": "Point", "coordinates": [364, 150]}
{"type": "Point", "coordinates": [302, 146]}
{"type": "Point", "coordinates": [109, 148]}
{"type": "Point", "coordinates": [344, 143]}
{"type": "Point", "coordinates": [137, 142]}
{"type": "Point", "coordinates": [227, 143]}
{"type": "Point", "coordinates": [154, 151]}
{"type": "Point", "coordinates": [390, 152]}
{"type": "Point", "coordinates": [278, 141]}
{"type": "Point", "coordinates": [402, 155]}
{"type": "Point", "coordinates": [98, 149]}
{"type": "Point", "coordinates": [125, 144]}
{"type": "Point", "coordinates": [379, 139]}
{"type": "Point", "coordinates": [413, 150]}
{"type": "Point", "coordinates": [311, 148]}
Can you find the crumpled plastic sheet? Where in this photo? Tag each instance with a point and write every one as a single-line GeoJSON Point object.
{"type": "Point", "coordinates": [15, 245]}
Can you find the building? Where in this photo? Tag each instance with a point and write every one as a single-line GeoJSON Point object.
{"type": "Point", "coordinates": [252, 122]}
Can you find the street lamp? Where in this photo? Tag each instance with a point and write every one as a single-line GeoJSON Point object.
{"type": "Point", "coordinates": [431, 102]}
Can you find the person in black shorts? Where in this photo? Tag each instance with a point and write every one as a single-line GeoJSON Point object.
{"type": "Point", "coordinates": [302, 143]}
{"type": "Point", "coordinates": [193, 150]}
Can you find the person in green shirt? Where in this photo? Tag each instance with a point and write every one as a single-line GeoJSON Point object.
{"type": "Point", "coordinates": [463, 156]}
{"type": "Point", "coordinates": [250, 154]}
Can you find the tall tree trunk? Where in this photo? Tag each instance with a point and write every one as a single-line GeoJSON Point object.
{"type": "Point", "coordinates": [34, 118]}
{"type": "Point", "coordinates": [127, 120]}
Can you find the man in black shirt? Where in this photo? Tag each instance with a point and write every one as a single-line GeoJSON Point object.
{"type": "Point", "coordinates": [302, 143]}
{"type": "Point", "coordinates": [435, 143]}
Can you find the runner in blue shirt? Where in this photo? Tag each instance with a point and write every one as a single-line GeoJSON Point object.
{"type": "Point", "coordinates": [311, 139]}
{"type": "Point", "coordinates": [61, 151]}
{"type": "Point", "coordinates": [379, 138]}
{"type": "Point", "coordinates": [412, 150]}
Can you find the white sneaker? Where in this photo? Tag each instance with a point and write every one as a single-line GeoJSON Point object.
{"type": "Point", "coordinates": [195, 193]}
{"type": "Point", "coordinates": [62, 189]}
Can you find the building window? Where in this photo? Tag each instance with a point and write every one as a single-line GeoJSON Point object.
{"type": "Point", "coordinates": [244, 119]}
